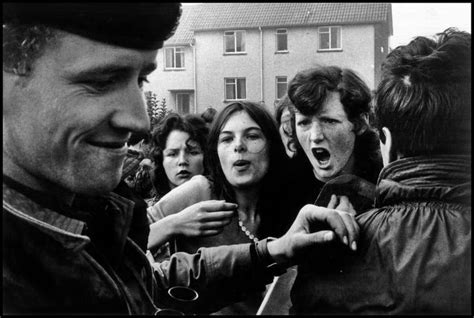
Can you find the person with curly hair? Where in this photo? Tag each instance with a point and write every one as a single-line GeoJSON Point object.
{"type": "Point", "coordinates": [414, 255]}
{"type": "Point", "coordinates": [178, 150]}
{"type": "Point", "coordinates": [337, 150]}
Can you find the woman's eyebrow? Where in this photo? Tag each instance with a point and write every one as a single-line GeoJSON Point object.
{"type": "Point", "coordinates": [246, 129]}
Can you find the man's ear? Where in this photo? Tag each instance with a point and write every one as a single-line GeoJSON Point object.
{"type": "Point", "coordinates": [386, 145]}
{"type": "Point", "coordinates": [362, 124]}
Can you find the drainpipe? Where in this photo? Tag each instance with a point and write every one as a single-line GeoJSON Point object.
{"type": "Point", "coordinates": [261, 66]}
{"type": "Point", "coordinates": [192, 44]}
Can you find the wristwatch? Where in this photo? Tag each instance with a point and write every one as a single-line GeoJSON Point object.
{"type": "Point", "coordinates": [272, 267]}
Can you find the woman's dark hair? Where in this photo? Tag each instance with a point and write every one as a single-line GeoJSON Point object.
{"type": "Point", "coordinates": [283, 104]}
{"type": "Point", "coordinates": [308, 91]}
{"type": "Point", "coordinates": [208, 115]}
{"type": "Point", "coordinates": [273, 180]}
{"type": "Point", "coordinates": [191, 124]}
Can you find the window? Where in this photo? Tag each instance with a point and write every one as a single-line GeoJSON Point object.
{"type": "Point", "coordinates": [235, 88]}
{"type": "Point", "coordinates": [174, 57]}
{"type": "Point", "coordinates": [330, 38]}
{"type": "Point", "coordinates": [281, 86]}
{"type": "Point", "coordinates": [281, 40]}
{"type": "Point", "coordinates": [183, 103]}
{"type": "Point", "coordinates": [234, 41]}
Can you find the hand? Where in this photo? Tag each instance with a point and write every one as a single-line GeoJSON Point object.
{"type": "Point", "coordinates": [298, 239]}
{"type": "Point", "coordinates": [204, 218]}
{"type": "Point", "coordinates": [341, 203]}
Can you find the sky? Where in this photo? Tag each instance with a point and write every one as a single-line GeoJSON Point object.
{"type": "Point", "coordinates": [427, 19]}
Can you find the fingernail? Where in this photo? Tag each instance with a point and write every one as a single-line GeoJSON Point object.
{"type": "Point", "coordinates": [344, 239]}
{"type": "Point", "coordinates": [354, 246]}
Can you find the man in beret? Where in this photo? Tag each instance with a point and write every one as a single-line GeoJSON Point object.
{"type": "Point", "coordinates": [72, 96]}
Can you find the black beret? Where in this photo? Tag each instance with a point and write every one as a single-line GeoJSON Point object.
{"type": "Point", "coordinates": [131, 25]}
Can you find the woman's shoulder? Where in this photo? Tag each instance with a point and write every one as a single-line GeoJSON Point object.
{"type": "Point", "coordinates": [199, 181]}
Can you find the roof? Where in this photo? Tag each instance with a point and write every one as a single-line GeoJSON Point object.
{"type": "Point", "coordinates": [218, 16]}
{"type": "Point", "coordinates": [184, 33]}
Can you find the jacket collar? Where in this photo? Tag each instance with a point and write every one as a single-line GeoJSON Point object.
{"type": "Point", "coordinates": [71, 232]}
{"type": "Point", "coordinates": [438, 178]}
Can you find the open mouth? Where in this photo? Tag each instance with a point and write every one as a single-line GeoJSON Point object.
{"type": "Point", "coordinates": [321, 155]}
{"type": "Point", "coordinates": [241, 163]}
{"type": "Point", "coordinates": [184, 174]}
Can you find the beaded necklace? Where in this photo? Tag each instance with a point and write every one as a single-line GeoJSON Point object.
{"type": "Point", "coordinates": [249, 234]}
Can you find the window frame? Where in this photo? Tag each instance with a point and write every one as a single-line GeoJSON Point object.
{"type": "Point", "coordinates": [235, 52]}
{"type": "Point", "coordinates": [276, 86]}
{"type": "Point", "coordinates": [178, 105]}
{"type": "Point", "coordinates": [174, 48]}
{"type": "Point", "coordinates": [236, 81]}
{"type": "Point", "coordinates": [330, 49]}
{"type": "Point", "coordinates": [276, 40]}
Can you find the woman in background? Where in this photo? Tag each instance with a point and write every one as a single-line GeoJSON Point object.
{"type": "Point", "coordinates": [283, 118]}
{"type": "Point", "coordinates": [179, 145]}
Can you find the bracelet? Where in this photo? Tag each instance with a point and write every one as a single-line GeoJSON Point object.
{"type": "Point", "coordinates": [265, 258]}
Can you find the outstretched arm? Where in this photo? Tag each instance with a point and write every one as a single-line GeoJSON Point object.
{"type": "Point", "coordinates": [245, 267]}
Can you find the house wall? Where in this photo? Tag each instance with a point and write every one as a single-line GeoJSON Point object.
{"type": "Point", "coordinates": [212, 66]}
{"type": "Point", "coordinates": [164, 83]}
{"type": "Point", "coordinates": [360, 52]}
{"type": "Point", "coordinates": [357, 53]}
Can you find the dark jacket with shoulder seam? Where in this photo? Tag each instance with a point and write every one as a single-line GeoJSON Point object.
{"type": "Point", "coordinates": [56, 264]}
{"type": "Point", "coordinates": [414, 252]}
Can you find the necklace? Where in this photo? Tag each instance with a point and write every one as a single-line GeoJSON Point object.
{"type": "Point", "coordinates": [247, 232]}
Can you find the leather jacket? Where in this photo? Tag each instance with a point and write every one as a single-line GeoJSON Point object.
{"type": "Point", "coordinates": [56, 264]}
{"type": "Point", "coordinates": [414, 249]}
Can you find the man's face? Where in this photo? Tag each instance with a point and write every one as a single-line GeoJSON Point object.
{"type": "Point", "coordinates": [68, 122]}
{"type": "Point", "coordinates": [327, 139]}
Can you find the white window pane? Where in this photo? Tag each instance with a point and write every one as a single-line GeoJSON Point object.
{"type": "Point", "coordinates": [240, 42]}
{"type": "Point", "coordinates": [229, 91]}
{"type": "Point", "coordinates": [169, 57]}
{"type": "Point", "coordinates": [241, 88]}
{"type": "Point", "coordinates": [335, 38]}
{"type": "Point", "coordinates": [180, 60]}
{"type": "Point", "coordinates": [281, 84]}
{"type": "Point", "coordinates": [281, 90]}
{"type": "Point", "coordinates": [282, 42]}
{"type": "Point", "coordinates": [324, 41]}
{"type": "Point", "coordinates": [229, 43]}
{"type": "Point", "coordinates": [183, 103]}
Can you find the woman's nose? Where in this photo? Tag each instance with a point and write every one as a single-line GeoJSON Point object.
{"type": "Point", "coordinates": [239, 145]}
{"type": "Point", "coordinates": [183, 159]}
{"type": "Point", "coordinates": [316, 133]}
